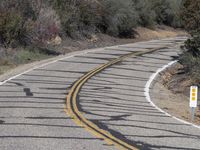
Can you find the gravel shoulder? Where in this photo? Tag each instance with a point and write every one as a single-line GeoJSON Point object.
{"type": "Point", "coordinates": [170, 92]}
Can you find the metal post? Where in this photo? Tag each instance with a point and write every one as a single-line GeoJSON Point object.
{"type": "Point", "coordinates": [193, 113]}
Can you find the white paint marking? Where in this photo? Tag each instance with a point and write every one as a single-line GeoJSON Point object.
{"type": "Point", "coordinates": [48, 63]}
{"type": "Point", "coordinates": [147, 95]}
{"type": "Point", "coordinates": [69, 56]}
{"type": "Point", "coordinates": [45, 64]}
{"type": "Point", "coordinates": [147, 86]}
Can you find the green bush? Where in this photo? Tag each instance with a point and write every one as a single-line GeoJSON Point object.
{"type": "Point", "coordinates": [45, 28]}
{"type": "Point", "coordinates": [25, 21]}
{"type": "Point", "coordinates": [147, 16]}
{"type": "Point", "coordinates": [191, 66]}
{"type": "Point", "coordinates": [120, 17]}
{"type": "Point", "coordinates": [190, 14]}
{"type": "Point", "coordinates": [191, 18]}
{"type": "Point", "coordinates": [79, 17]}
{"type": "Point", "coordinates": [10, 28]}
{"type": "Point", "coordinates": [14, 14]}
{"type": "Point", "coordinates": [190, 58]}
{"type": "Point", "coordinates": [193, 44]}
{"type": "Point", "coordinates": [167, 12]}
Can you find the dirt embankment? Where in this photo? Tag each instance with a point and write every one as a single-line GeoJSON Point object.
{"type": "Point", "coordinates": [171, 93]}
{"type": "Point", "coordinates": [102, 40]}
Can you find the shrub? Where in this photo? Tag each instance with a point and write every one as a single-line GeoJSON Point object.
{"type": "Point", "coordinates": [167, 12]}
{"type": "Point", "coordinates": [174, 14]}
{"type": "Point", "coordinates": [78, 17]}
{"type": "Point", "coordinates": [46, 27]}
{"type": "Point", "coordinates": [147, 16]}
{"type": "Point", "coordinates": [190, 58]}
{"type": "Point", "coordinates": [28, 22]}
{"type": "Point", "coordinates": [10, 28]}
{"type": "Point", "coordinates": [193, 44]}
{"type": "Point", "coordinates": [191, 15]}
{"type": "Point", "coordinates": [13, 17]}
{"type": "Point", "coordinates": [120, 17]}
{"type": "Point", "coordinates": [191, 66]}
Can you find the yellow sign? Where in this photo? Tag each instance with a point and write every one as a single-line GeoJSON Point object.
{"type": "Point", "coordinates": [193, 96]}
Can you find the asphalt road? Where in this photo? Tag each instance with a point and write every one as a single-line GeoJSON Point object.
{"type": "Point", "coordinates": [106, 106]}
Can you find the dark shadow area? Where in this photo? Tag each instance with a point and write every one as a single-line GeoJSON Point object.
{"type": "Point", "coordinates": [31, 102]}
{"type": "Point", "coordinates": [139, 64]}
{"type": "Point", "coordinates": [139, 92]}
{"type": "Point", "coordinates": [40, 125]}
{"type": "Point", "coordinates": [2, 121]}
{"type": "Point", "coordinates": [115, 98]}
{"type": "Point", "coordinates": [92, 83]}
{"type": "Point", "coordinates": [120, 49]}
{"type": "Point", "coordinates": [28, 92]}
{"type": "Point", "coordinates": [48, 76]}
{"type": "Point", "coordinates": [118, 78]}
{"type": "Point", "coordinates": [64, 71]}
{"type": "Point", "coordinates": [16, 83]}
{"type": "Point", "coordinates": [34, 97]}
{"type": "Point", "coordinates": [97, 86]}
{"type": "Point", "coordinates": [95, 58]}
{"type": "Point", "coordinates": [141, 145]}
{"type": "Point", "coordinates": [117, 75]}
{"type": "Point", "coordinates": [128, 105]}
{"type": "Point", "coordinates": [51, 137]}
{"type": "Point", "coordinates": [54, 118]}
{"type": "Point", "coordinates": [81, 62]}
{"type": "Point", "coordinates": [42, 81]}
{"type": "Point", "coordinates": [108, 54]}
{"type": "Point", "coordinates": [157, 58]}
{"type": "Point", "coordinates": [128, 69]}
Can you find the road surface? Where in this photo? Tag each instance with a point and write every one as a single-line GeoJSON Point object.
{"type": "Point", "coordinates": [106, 107]}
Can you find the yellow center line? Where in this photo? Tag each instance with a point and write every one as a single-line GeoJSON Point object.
{"type": "Point", "coordinates": [73, 110]}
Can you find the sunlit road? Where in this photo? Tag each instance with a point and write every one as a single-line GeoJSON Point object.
{"type": "Point", "coordinates": [107, 111]}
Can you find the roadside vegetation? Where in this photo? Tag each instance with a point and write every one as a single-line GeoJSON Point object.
{"type": "Point", "coordinates": [32, 29]}
{"type": "Point", "coordinates": [190, 58]}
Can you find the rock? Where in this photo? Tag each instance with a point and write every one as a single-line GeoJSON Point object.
{"type": "Point", "coordinates": [56, 41]}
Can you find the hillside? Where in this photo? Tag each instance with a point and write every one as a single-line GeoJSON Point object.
{"type": "Point", "coordinates": [70, 45]}
{"type": "Point", "coordinates": [34, 30]}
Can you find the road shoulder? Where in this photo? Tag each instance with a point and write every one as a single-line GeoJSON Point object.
{"type": "Point", "coordinates": [173, 102]}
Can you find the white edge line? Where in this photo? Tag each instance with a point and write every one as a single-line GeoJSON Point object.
{"type": "Point", "coordinates": [147, 95]}
{"type": "Point", "coordinates": [51, 62]}
{"type": "Point", "coordinates": [68, 56]}
{"type": "Point", "coordinates": [147, 86]}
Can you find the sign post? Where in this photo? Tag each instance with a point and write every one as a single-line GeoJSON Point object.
{"type": "Point", "coordinates": [193, 99]}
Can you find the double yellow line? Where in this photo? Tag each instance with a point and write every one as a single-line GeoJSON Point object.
{"type": "Point", "coordinates": [77, 116]}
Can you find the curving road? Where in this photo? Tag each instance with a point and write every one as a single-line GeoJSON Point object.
{"type": "Point", "coordinates": [106, 105]}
